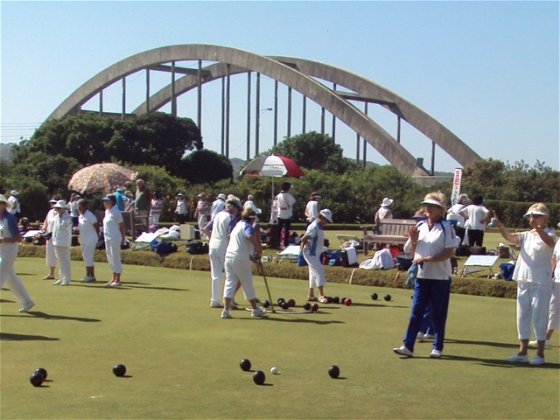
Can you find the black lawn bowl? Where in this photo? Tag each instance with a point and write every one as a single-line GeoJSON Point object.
{"type": "Point", "coordinates": [285, 305]}
{"type": "Point", "coordinates": [387, 298]}
{"type": "Point", "coordinates": [374, 296]}
{"type": "Point", "coordinates": [259, 377]}
{"type": "Point", "coordinates": [280, 300]}
{"type": "Point", "coordinates": [245, 365]}
{"type": "Point", "coordinates": [307, 306]}
{"type": "Point", "coordinates": [334, 371]}
{"type": "Point", "coordinates": [119, 370]}
{"type": "Point", "coordinates": [36, 378]}
{"type": "Point", "coordinates": [42, 371]}
{"type": "Point", "coordinates": [265, 304]}
{"type": "Point", "coordinates": [336, 299]}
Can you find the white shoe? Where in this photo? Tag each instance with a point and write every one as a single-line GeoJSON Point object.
{"type": "Point", "coordinates": [215, 304]}
{"type": "Point", "coordinates": [258, 312]}
{"type": "Point", "coordinates": [116, 284]}
{"type": "Point", "coordinates": [109, 284]}
{"type": "Point", "coordinates": [323, 299]}
{"type": "Point", "coordinates": [420, 337]}
{"type": "Point", "coordinates": [27, 306]}
{"type": "Point", "coordinates": [57, 283]}
{"type": "Point", "coordinates": [427, 337]}
{"type": "Point", "coordinates": [436, 354]}
{"type": "Point", "coordinates": [88, 279]}
{"type": "Point", "coordinates": [226, 315]}
{"type": "Point", "coordinates": [403, 351]}
{"type": "Point", "coordinates": [536, 361]}
{"type": "Point", "coordinates": [516, 358]}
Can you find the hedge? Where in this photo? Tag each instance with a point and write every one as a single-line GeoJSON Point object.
{"type": "Point", "coordinates": [378, 278]}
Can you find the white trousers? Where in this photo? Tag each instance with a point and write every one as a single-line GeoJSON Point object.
{"type": "Point", "coordinates": [217, 262]}
{"type": "Point", "coordinates": [239, 271]}
{"type": "Point", "coordinates": [8, 254]}
{"type": "Point", "coordinates": [63, 256]}
{"type": "Point", "coordinates": [113, 252]}
{"type": "Point", "coordinates": [154, 218]}
{"type": "Point", "coordinates": [88, 252]}
{"type": "Point", "coordinates": [49, 254]}
{"type": "Point", "coordinates": [533, 301]}
{"type": "Point", "coordinates": [554, 308]}
{"type": "Point", "coordinates": [316, 270]}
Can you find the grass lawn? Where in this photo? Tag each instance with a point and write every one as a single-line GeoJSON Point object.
{"type": "Point", "coordinates": [183, 360]}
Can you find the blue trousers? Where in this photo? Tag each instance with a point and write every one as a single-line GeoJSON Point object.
{"type": "Point", "coordinates": [428, 291]}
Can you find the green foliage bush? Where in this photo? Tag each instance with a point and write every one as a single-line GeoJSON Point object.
{"type": "Point", "coordinates": [379, 278]}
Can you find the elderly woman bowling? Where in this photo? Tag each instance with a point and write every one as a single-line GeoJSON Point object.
{"type": "Point", "coordinates": [432, 242]}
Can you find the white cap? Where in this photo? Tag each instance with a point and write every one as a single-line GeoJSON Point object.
{"type": "Point", "coordinates": [434, 202]}
{"type": "Point", "coordinates": [60, 204]}
{"type": "Point", "coordinates": [327, 214]}
{"type": "Point", "coordinates": [221, 196]}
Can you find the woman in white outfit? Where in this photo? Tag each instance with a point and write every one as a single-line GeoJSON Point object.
{"type": "Point", "coordinates": [114, 232]}
{"type": "Point", "coordinates": [533, 273]}
{"type": "Point", "coordinates": [62, 240]}
{"type": "Point", "coordinates": [312, 208]}
{"type": "Point", "coordinates": [10, 238]}
{"type": "Point", "coordinates": [554, 307]}
{"type": "Point", "coordinates": [50, 257]}
{"type": "Point", "coordinates": [89, 227]}
{"type": "Point", "coordinates": [218, 230]}
{"type": "Point", "coordinates": [243, 248]}
{"type": "Point", "coordinates": [312, 245]}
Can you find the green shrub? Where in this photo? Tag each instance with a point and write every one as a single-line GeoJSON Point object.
{"type": "Point", "coordinates": [379, 278]}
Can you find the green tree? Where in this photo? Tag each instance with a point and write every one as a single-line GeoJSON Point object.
{"type": "Point", "coordinates": [314, 151]}
{"type": "Point", "coordinates": [205, 166]}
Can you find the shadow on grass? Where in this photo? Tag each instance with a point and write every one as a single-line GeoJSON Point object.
{"type": "Point", "coordinates": [6, 301]}
{"type": "Point", "coordinates": [292, 318]}
{"type": "Point", "coordinates": [27, 274]}
{"type": "Point", "coordinates": [378, 305]}
{"type": "Point", "coordinates": [499, 362]}
{"type": "Point", "coordinates": [482, 343]}
{"type": "Point", "coordinates": [128, 286]}
{"type": "Point", "coordinates": [24, 337]}
{"type": "Point", "coordinates": [44, 315]}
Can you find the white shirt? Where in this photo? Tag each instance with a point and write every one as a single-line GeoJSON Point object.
{"type": "Point", "coordinates": [249, 204]}
{"type": "Point", "coordinates": [286, 203]}
{"type": "Point", "coordinates": [111, 221]}
{"type": "Point", "coordinates": [14, 203]}
{"type": "Point", "coordinates": [239, 247]}
{"type": "Point", "coordinates": [432, 242]}
{"type": "Point", "coordinates": [316, 239]}
{"type": "Point", "coordinates": [220, 231]}
{"type": "Point", "coordinates": [49, 219]}
{"type": "Point", "coordinates": [312, 210]}
{"type": "Point", "coordinates": [73, 206]}
{"type": "Point", "coordinates": [181, 206]}
{"type": "Point", "coordinates": [476, 217]}
{"type": "Point", "coordinates": [454, 213]}
{"type": "Point", "coordinates": [86, 224]}
{"type": "Point", "coordinates": [383, 213]}
{"type": "Point", "coordinates": [533, 264]}
{"type": "Point", "coordinates": [62, 230]}
{"type": "Point", "coordinates": [217, 206]}
{"type": "Point", "coordinates": [556, 253]}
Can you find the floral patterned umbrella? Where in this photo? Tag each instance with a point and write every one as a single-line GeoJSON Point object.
{"type": "Point", "coordinates": [101, 177]}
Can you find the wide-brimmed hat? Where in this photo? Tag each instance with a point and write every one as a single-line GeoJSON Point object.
{"type": "Point", "coordinates": [537, 209]}
{"type": "Point", "coordinates": [386, 202]}
{"type": "Point", "coordinates": [221, 196]}
{"type": "Point", "coordinates": [327, 214]}
{"type": "Point", "coordinates": [14, 193]}
{"type": "Point", "coordinates": [60, 204]}
{"type": "Point", "coordinates": [3, 199]}
{"type": "Point", "coordinates": [433, 201]}
{"type": "Point", "coordinates": [110, 197]}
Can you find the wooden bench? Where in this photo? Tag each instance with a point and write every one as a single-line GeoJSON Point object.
{"type": "Point", "coordinates": [392, 232]}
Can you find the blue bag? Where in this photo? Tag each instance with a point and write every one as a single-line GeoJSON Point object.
{"type": "Point", "coordinates": [506, 269]}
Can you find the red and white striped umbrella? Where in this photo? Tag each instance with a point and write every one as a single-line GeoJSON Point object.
{"type": "Point", "coordinates": [273, 165]}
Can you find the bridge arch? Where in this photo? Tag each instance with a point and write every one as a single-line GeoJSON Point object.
{"type": "Point", "coordinates": [296, 73]}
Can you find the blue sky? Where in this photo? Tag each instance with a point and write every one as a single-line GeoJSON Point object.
{"type": "Point", "coordinates": [488, 71]}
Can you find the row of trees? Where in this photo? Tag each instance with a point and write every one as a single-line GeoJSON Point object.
{"type": "Point", "coordinates": [168, 152]}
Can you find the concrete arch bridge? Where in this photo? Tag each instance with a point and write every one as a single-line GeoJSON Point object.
{"type": "Point", "coordinates": [335, 90]}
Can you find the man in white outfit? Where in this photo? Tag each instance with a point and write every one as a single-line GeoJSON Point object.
{"type": "Point", "coordinates": [50, 257]}
{"type": "Point", "coordinates": [218, 230]}
{"type": "Point", "coordinates": [62, 240]}
{"type": "Point", "coordinates": [312, 207]}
